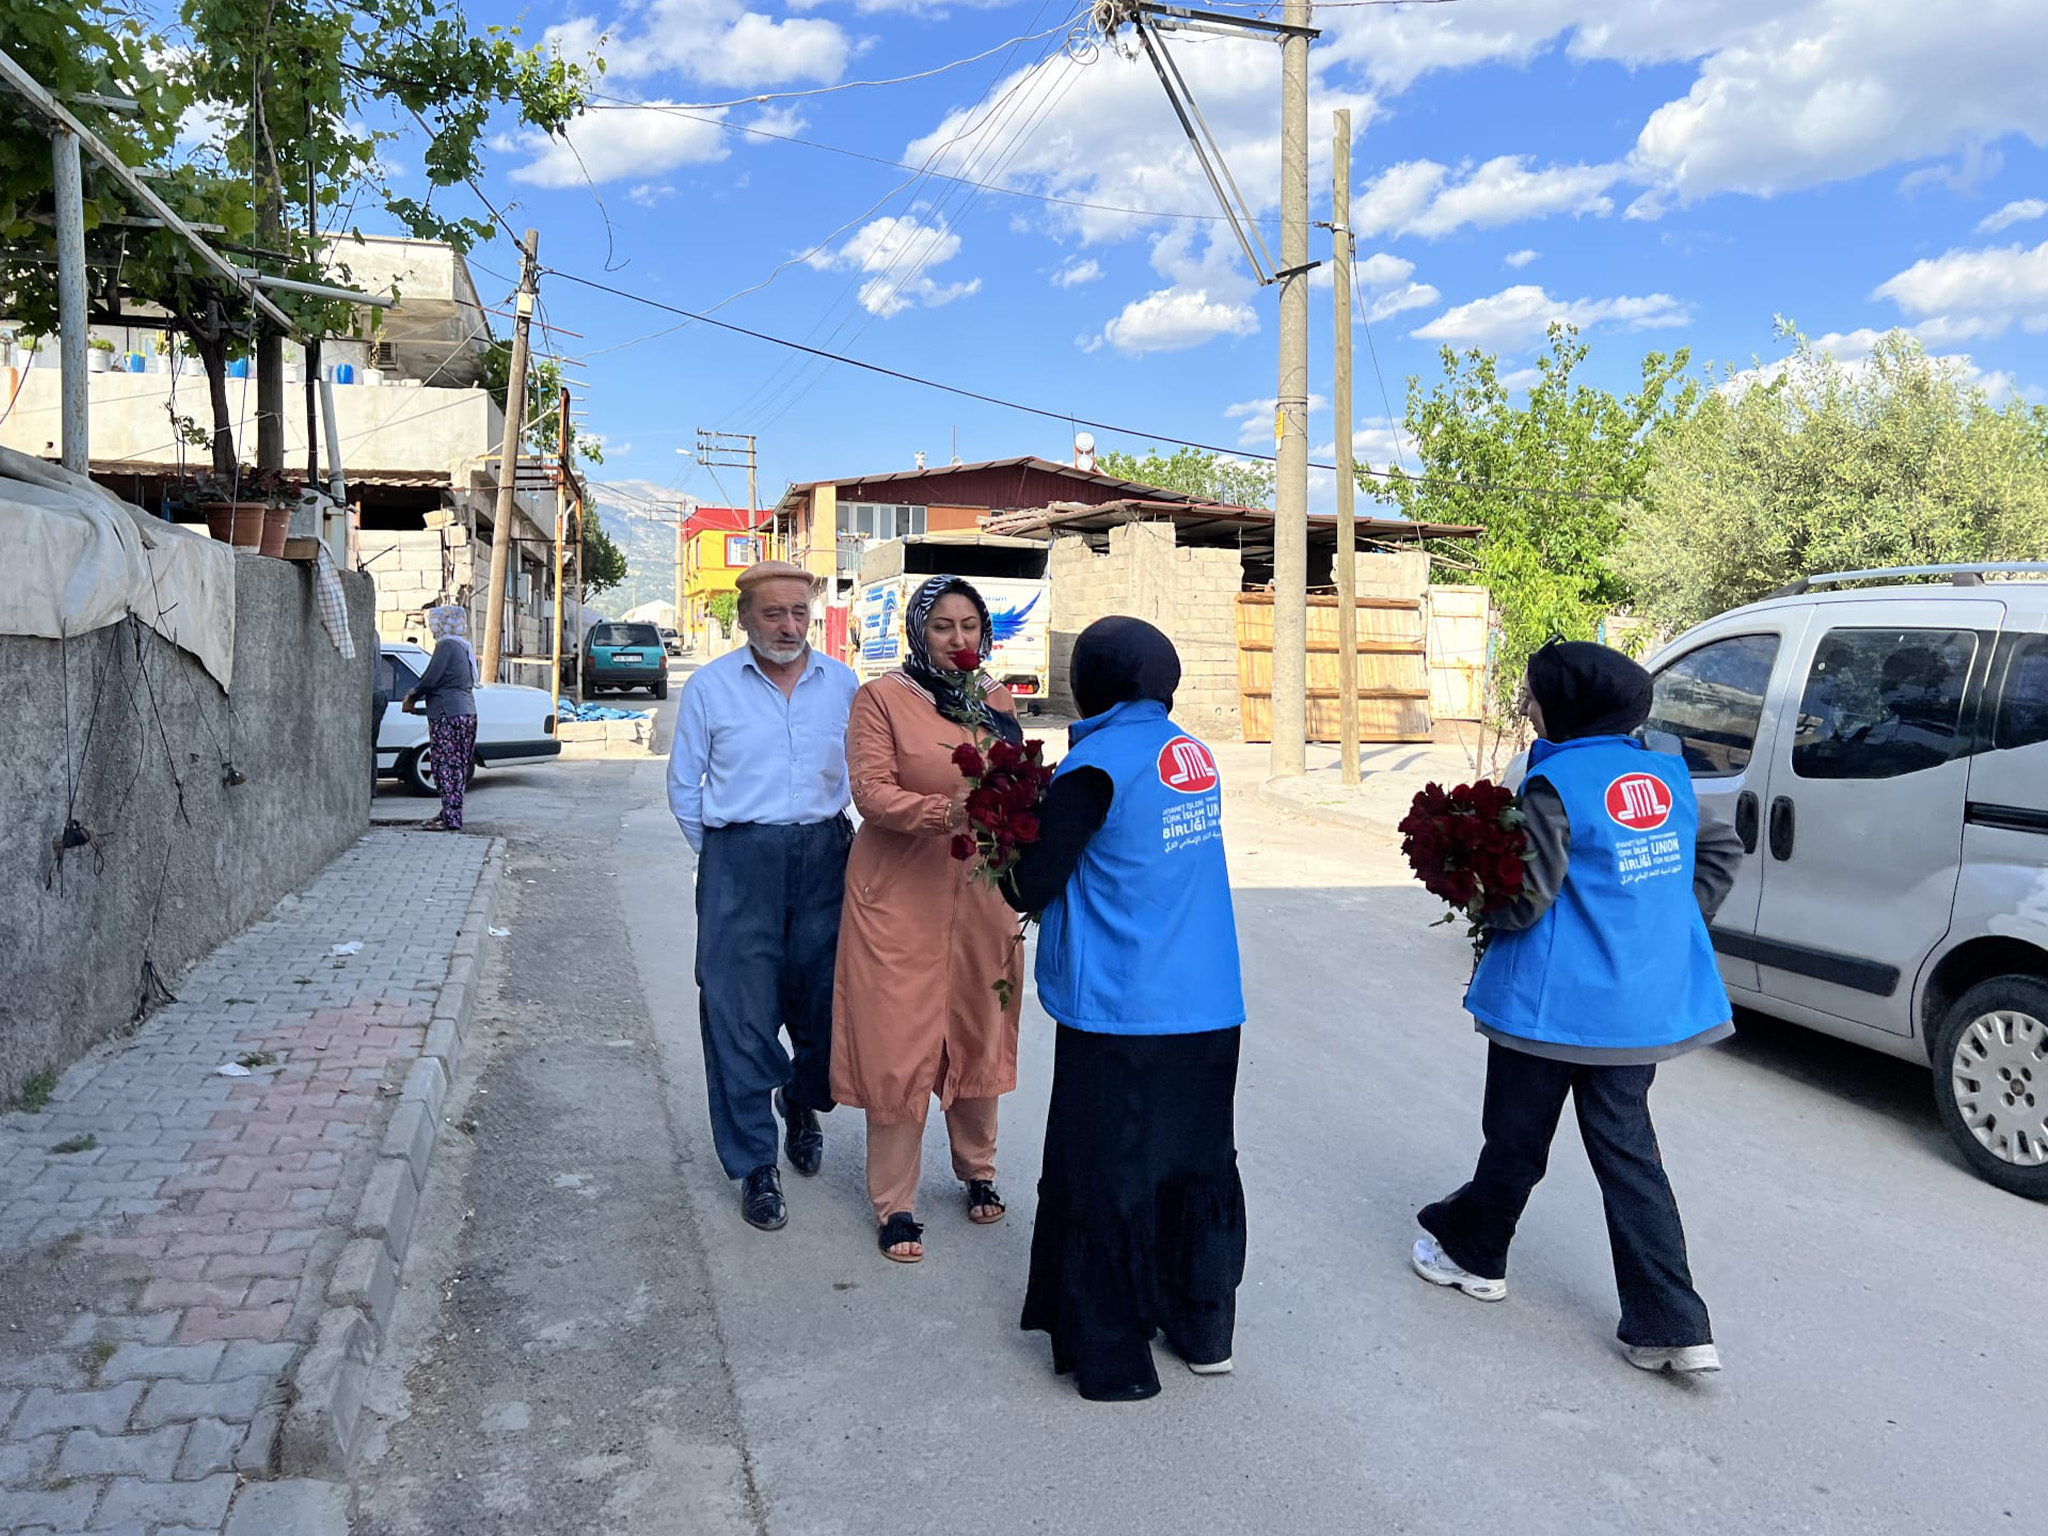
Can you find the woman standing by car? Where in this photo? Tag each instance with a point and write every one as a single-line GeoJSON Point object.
{"type": "Point", "coordinates": [916, 1010]}
{"type": "Point", "coordinates": [446, 694]}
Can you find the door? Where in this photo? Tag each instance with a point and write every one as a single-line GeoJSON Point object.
{"type": "Point", "coordinates": [1863, 831]}
{"type": "Point", "coordinates": [1714, 697]}
{"type": "Point", "coordinates": [1457, 652]}
{"type": "Point", "coordinates": [396, 729]}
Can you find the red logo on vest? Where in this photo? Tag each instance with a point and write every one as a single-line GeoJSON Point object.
{"type": "Point", "coordinates": [1639, 801]}
{"type": "Point", "coordinates": [1186, 766]}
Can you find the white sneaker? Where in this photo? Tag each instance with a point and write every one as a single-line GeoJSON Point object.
{"type": "Point", "coordinates": [1682, 1359]}
{"type": "Point", "coordinates": [1436, 1266]}
{"type": "Point", "coordinates": [1212, 1368]}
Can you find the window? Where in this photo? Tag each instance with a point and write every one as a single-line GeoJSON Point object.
{"type": "Point", "coordinates": [739, 552]}
{"type": "Point", "coordinates": [610, 635]}
{"type": "Point", "coordinates": [867, 520]}
{"type": "Point", "coordinates": [1881, 703]}
{"type": "Point", "coordinates": [394, 678]}
{"type": "Point", "coordinates": [2023, 701]}
{"type": "Point", "coordinates": [1712, 700]}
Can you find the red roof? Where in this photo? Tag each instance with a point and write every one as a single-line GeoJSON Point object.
{"type": "Point", "coordinates": [727, 519]}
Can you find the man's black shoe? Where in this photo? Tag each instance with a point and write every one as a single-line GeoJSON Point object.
{"type": "Point", "coordinates": [806, 1139]}
{"type": "Point", "coordinates": [761, 1199]}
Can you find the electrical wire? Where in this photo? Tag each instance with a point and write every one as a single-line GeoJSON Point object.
{"type": "Point", "coordinates": [1050, 415]}
{"type": "Point", "coordinates": [1358, 304]}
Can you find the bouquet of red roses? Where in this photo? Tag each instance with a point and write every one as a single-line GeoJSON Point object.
{"type": "Point", "coordinates": [1467, 847]}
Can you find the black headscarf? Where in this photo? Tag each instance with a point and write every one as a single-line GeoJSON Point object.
{"type": "Point", "coordinates": [950, 691]}
{"type": "Point", "coordinates": [1117, 660]}
{"type": "Point", "coordinates": [1587, 690]}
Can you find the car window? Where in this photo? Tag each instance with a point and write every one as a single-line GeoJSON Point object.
{"type": "Point", "coordinates": [625, 634]}
{"type": "Point", "coordinates": [1712, 700]}
{"type": "Point", "coordinates": [394, 677]}
{"type": "Point", "coordinates": [2023, 701]}
{"type": "Point", "coordinates": [1881, 703]}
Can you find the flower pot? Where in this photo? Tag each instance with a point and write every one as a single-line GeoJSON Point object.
{"type": "Point", "coordinates": [97, 361]}
{"type": "Point", "coordinates": [277, 526]}
{"type": "Point", "coordinates": [240, 523]}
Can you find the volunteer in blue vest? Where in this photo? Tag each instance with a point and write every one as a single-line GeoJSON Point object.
{"type": "Point", "coordinates": [1140, 1225]}
{"type": "Point", "coordinates": [1600, 970]}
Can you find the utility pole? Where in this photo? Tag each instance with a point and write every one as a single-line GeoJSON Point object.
{"type": "Point", "coordinates": [508, 459]}
{"type": "Point", "coordinates": [1347, 484]}
{"type": "Point", "coordinates": [736, 456]}
{"type": "Point", "coordinates": [682, 527]}
{"type": "Point", "coordinates": [71, 321]}
{"type": "Point", "coordinates": [563, 471]}
{"type": "Point", "coordinates": [1290, 531]}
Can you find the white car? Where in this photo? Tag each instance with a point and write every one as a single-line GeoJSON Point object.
{"type": "Point", "coordinates": [514, 724]}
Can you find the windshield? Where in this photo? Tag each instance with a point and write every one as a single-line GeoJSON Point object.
{"type": "Point", "coordinates": [624, 634]}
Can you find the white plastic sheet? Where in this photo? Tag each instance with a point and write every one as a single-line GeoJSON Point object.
{"type": "Point", "coordinates": [79, 559]}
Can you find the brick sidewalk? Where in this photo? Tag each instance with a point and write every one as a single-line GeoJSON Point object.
{"type": "Point", "coordinates": [157, 1282]}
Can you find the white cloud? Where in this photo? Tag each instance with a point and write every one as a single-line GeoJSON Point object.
{"type": "Point", "coordinates": [607, 146]}
{"type": "Point", "coordinates": [1254, 419]}
{"type": "Point", "coordinates": [1380, 270]}
{"type": "Point", "coordinates": [1974, 293]}
{"type": "Point", "coordinates": [1520, 314]}
{"type": "Point", "coordinates": [648, 194]}
{"type": "Point", "coordinates": [1075, 273]}
{"type": "Point", "coordinates": [715, 42]}
{"type": "Point", "coordinates": [1853, 350]}
{"type": "Point", "coordinates": [899, 254]}
{"type": "Point", "coordinates": [1521, 378]}
{"type": "Point", "coordinates": [1173, 319]}
{"type": "Point", "coordinates": [1420, 197]}
{"type": "Point", "coordinates": [2023, 211]}
{"type": "Point", "coordinates": [1400, 300]}
{"type": "Point", "coordinates": [1519, 259]}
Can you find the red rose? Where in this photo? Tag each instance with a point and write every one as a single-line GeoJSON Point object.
{"type": "Point", "coordinates": [1025, 827]}
{"type": "Point", "coordinates": [966, 660]}
{"type": "Point", "coordinates": [963, 846]}
{"type": "Point", "coordinates": [967, 758]}
{"type": "Point", "coordinates": [1002, 755]}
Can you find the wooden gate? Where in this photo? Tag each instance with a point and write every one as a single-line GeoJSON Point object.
{"type": "Point", "coordinates": [1393, 668]}
{"type": "Point", "coordinates": [1457, 652]}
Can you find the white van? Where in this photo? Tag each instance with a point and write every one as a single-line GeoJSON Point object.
{"type": "Point", "coordinates": [1008, 573]}
{"type": "Point", "coordinates": [1882, 748]}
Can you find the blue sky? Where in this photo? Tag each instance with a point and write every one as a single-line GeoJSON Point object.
{"type": "Point", "coordinates": [1673, 178]}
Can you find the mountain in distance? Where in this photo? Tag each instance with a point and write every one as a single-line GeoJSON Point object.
{"type": "Point", "coordinates": [640, 517]}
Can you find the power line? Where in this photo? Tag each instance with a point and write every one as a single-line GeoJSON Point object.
{"type": "Point", "coordinates": [1040, 411]}
{"type": "Point", "coordinates": [1358, 303]}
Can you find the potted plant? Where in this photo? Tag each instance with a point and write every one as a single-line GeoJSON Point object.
{"type": "Point", "coordinates": [279, 493]}
{"type": "Point", "coordinates": [99, 355]}
{"type": "Point", "coordinates": [253, 510]}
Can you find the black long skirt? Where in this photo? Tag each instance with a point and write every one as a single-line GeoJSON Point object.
{"type": "Point", "coordinates": [1140, 1226]}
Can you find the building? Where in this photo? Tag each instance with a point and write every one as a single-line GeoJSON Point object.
{"type": "Point", "coordinates": [826, 524]}
{"type": "Point", "coordinates": [419, 439]}
{"type": "Point", "coordinates": [718, 543]}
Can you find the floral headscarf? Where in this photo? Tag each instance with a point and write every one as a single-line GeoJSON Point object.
{"type": "Point", "coordinates": [952, 692]}
{"type": "Point", "coordinates": [450, 621]}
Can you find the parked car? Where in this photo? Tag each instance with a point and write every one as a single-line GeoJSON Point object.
{"type": "Point", "coordinates": [625, 656]}
{"type": "Point", "coordinates": [1883, 752]}
{"type": "Point", "coordinates": [514, 724]}
{"type": "Point", "coordinates": [671, 642]}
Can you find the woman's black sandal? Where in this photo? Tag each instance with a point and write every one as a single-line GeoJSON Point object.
{"type": "Point", "coordinates": [982, 1193]}
{"type": "Point", "coordinates": [899, 1229]}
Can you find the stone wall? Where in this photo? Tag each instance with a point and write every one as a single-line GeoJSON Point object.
{"type": "Point", "coordinates": [1191, 594]}
{"type": "Point", "coordinates": [128, 737]}
{"type": "Point", "coordinates": [416, 570]}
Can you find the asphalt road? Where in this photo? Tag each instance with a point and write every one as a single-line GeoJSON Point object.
{"type": "Point", "coordinates": [590, 1340]}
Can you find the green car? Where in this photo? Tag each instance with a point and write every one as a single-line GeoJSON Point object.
{"type": "Point", "coordinates": [626, 656]}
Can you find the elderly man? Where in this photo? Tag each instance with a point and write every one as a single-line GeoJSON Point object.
{"type": "Point", "coordinates": [757, 779]}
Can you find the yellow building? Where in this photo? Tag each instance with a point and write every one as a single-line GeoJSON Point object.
{"type": "Point", "coordinates": [718, 543]}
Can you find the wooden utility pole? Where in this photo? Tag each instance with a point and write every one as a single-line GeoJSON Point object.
{"type": "Point", "coordinates": [508, 459]}
{"type": "Point", "coordinates": [1347, 484]}
{"type": "Point", "coordinates": [1290, 531]}
{"type": "Point", "coordinates": [562, 475]}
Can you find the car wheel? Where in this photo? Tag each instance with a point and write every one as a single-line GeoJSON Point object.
{"type": "Point", "coordinates": [418, 772]}
{"type": "Point", "coordinates": [1991, 1081]}
{"type": "Point", "coordinates": [660, 689]}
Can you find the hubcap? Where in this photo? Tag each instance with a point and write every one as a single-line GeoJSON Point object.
{"type": "Point", "coordinates": [1999, 1078]}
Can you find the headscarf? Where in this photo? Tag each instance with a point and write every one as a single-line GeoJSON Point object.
{"type": "Point", "coordinates": [1117, 660]}
{"type": "Point", "coordinates": [450, 621]}
{"type": "Point", "coordinates": [952, 692]}
{"type": "Point", "coordinates": [1585, 689]}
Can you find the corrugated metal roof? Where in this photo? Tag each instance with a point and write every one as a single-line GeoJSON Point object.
{"type": "Point", "coordinates": [1027, 461]}
{"type": "Point", "coordinates": [1213, 522]}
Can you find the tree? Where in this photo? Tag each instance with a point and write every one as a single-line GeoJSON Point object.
{"type": "Point", "coordinates": [1546, 482]}
{"type": "Point", "coordinates": [604, 563]}
{"type": "Point", "coordinates": [1828, 467]}
{"type": "Point", "coordinates": [1211, 477]}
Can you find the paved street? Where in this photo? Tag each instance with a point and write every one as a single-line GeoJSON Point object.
{"type": "Point", "coordinates": [590, 1340]}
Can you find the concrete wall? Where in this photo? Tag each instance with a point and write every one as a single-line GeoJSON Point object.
{"type": "Point", "coordinates": [417, 569]}
{"type": "Point", "coordinates": [101, 730]}
{"type": "Point", "coordinates": [1191, 594]}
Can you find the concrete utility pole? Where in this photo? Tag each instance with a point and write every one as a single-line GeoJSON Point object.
{"type": "Point", "coordinates": [1290, 531]}
{"type": "Point", "coordinates": [1347, 483]}
{"type": "Point", "coordinates": [71, 321]}
{"type": "Point", "coordinates": [711, 444]}
{"type": "Point", "coordinates": [563, 470]}
{"type": "Point", "coordinates": [682, 523]}
{"type": "Point", "coordinates": [508, 459]}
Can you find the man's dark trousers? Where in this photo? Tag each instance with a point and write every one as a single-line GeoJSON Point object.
{"type": "Point", "coordinates": [768, 901]}
{"type": "Point", "coordinates": [1524, 1099]}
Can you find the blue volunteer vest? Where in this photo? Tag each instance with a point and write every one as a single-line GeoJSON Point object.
{"type": "Point", "coordinates": [1143, 940]}
{"type": "Point", "coordinates": [1621, 959]}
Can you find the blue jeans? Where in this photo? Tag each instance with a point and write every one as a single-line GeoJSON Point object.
{"type": "Point", "coordinates": [768, 900]}
{"type": "Point", "coordinates": [1524, 1100]}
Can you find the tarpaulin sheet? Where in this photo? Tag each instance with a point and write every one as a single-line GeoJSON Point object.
{"type": "Point", "coordinates": [79, 559]}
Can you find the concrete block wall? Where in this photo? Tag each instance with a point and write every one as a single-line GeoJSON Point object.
{"type": "Point", "coordinates": [180, 859]}
{"type": "Point", "coordinates": [1191, 594]}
